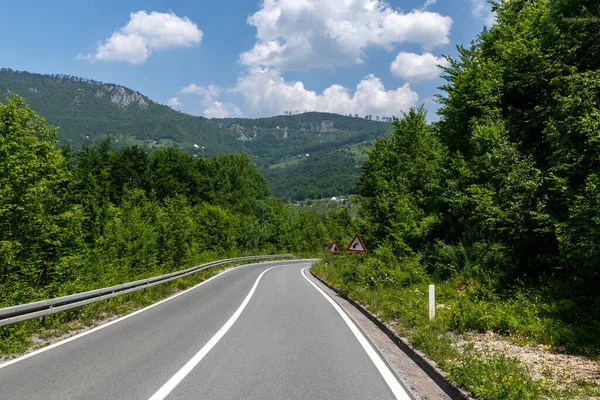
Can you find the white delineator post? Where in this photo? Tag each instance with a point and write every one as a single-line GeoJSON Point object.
{"type": "Point", "coordinates": [431, 302]}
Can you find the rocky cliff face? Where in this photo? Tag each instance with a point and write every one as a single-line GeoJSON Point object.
{"type": "Point", "coordinates": [31, 85]}
{"type": "Point", "coordinates": [245, 133]}
{"type": "Point", "coordinates": [322, 127]}
{"type": "Point", "coordinates": [123, 97]}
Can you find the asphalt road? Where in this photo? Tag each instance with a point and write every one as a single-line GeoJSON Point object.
{"type": "Point", "coordinates": [261, 331]}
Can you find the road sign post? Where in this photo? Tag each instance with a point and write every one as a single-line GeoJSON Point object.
{"type": "Point", "coordinates": [356, 246]}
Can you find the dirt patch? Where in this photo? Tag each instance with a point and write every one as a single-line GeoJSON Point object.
{"type": "Point", "coordinates": [542, 362]}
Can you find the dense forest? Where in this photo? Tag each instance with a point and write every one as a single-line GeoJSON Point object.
{"type": "Point", "coordinates": [498, 202]}
{"type": "Point", "coordinates": [75, 221]}
{"type": "Point", "coordinates": [511, 172]}
{"type": "Point", "coordinates": [88, 112]}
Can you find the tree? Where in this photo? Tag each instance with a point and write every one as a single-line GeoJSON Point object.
{"type": "Point", "coordinates": [172, 173]}
{"type": "Point", "coordinates": [235, 182]}
{"type": "Point", "coordinates": [39, 226]}
{"type": "Point", "coordinates": [129, 170]}
{"type": "Point", "coordinates": [524, 98]}
{"type": "Point", "coordinates": [400, 184]}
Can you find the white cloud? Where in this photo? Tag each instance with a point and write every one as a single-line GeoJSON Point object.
{"type": "Point", "coordinates": [414, 67]}
{"type": "Point", "coordinates": [265, 92]}
{"type": "Point", "coordinates": [210, 90]}
{"type": "Point", "coordinates": [428, 3]}
{"type": "Point", "coordinates": [145, 33]}
{"type": "Point", "coordinates": [216, 109]}
{"type": "Point", "coordinates": [483, 10]}
{"type": "Point", "coordinates": [174, 102]}
{"type": "Point", "coordinates": [303, 34]}
{"type": "Point", "coordinates": [212, 107]}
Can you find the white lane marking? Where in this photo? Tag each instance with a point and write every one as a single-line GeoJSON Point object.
{"type": "Point", "coordinates": [189, 366]}
{"type": "Point", "coordinates": [52, 346]}
{"type": "Point", "coordinates": [385, 372]}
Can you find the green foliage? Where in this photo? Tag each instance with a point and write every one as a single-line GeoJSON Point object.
{"type": "Point", "coordinates": [99, 217]}
{"type": "Point", "coordinates": [89, 112]}
{"type": "Point", "coordinates": [486, 376]}
{"type": "Point", "coordinates": [321, 175]}
{"type": "Point", "coordinates": [400, 185]}
{"type": "Point", "coordinates": [38, 228]}
{"type": "Point", "coordinates": [502, 193]}
{"type": "Point", "coordinates": [436, 343]}
{"type": "Point", "coordinates": [494, 377]}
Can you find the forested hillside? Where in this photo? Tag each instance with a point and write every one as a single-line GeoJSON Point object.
{"type": "Point", "coordinates": [310, 155]}
{"type": "Point", "coordinates": [498, 203]}
{"type": "Point", "coordinates": [75, 221]}
{"type": "Point", "coordinates": [87, 112]}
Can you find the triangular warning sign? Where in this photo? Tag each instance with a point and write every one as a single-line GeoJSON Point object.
{"type": "Point", "coordinates": [356, 245]}
{"type": "Point", "coordinates": [334, 248]}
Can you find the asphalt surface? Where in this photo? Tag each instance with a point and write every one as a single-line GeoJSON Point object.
{"type": "Point", "coordinates": [288, 343]}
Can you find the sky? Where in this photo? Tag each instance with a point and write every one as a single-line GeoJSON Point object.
{"type": "Point", "coordinates": [249, 58]}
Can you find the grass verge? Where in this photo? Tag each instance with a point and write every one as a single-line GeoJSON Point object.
{"type": "Point", "coordinates": [461, 315]}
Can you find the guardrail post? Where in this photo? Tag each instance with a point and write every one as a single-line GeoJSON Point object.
{"type": "Point", "coordinates": [42, 320]}
{"type": "Point", "coordinates": [431, 302]}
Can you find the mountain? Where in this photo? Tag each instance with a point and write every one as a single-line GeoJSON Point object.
{"type": "Point", "coordinates": [87, 112]}
{"type": "Point", "coordinates": [307, 155]}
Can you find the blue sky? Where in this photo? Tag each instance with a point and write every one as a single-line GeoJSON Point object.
{"type": "Point", "coordinates": [248, 58]}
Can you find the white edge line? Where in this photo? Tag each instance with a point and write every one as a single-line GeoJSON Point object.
{"type": "Point", "coordinates": [67, 340]}
{"type": "Point", "coordinates": [191, 364]}
{"type": "Point", "coordinates": [388, 376]}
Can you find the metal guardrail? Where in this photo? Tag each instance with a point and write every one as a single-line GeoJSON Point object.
{"type": "Point", "coordinates": [24, 312]}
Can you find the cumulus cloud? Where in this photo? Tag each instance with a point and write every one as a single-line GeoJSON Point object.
{"type": "Point", "coordinates": [414, 67]}
{"type": "Point", "coordinates": [303, 34]}
{"type": "Point", "coordinates": [144, 34]}
{"type": "Point", "coordinates": [216, 109]}
{"type": "Point", "coordinates": [265, 92]}
{"type": "Point", "coordinates": [210, 91]}
{"type": "Point", "coordinates": [174, 102]}
{"type": "Point", "coordinates": [212, 107]}
{"type": "Point", "coordinates": [483, 10]}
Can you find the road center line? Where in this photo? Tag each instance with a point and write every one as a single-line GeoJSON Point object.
{"type": "Point", "coordinates": [388, 376]}
{"type": "Point", "coordinates": [189, 366]}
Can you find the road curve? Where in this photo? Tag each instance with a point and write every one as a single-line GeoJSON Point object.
{"type": "Point", "coordinates": [261, 331]}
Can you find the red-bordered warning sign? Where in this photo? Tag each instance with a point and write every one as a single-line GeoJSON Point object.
{"type": "Point", "coordinates": [334, 248]}
{"type": "Point", "coordinates": [356, 245]}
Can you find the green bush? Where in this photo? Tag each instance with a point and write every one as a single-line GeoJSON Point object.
{"type": "Point", "coordinates": [494, 378]}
